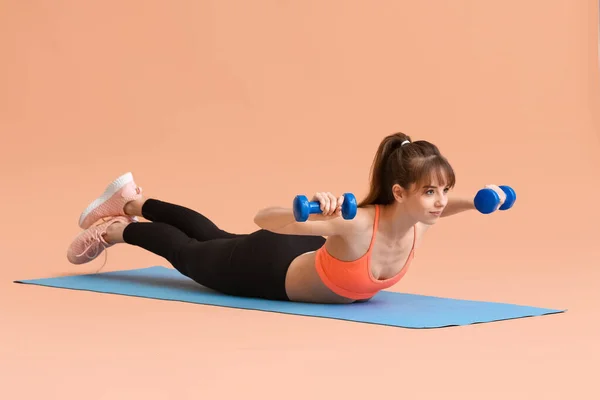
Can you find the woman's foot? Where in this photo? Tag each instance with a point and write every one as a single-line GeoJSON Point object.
{"type": "Point", "coordinates": [113, 201]}
{"type": "Point", "coordinates": [134, 207]}
{"type": "Point", "coordinates": [90, 243]}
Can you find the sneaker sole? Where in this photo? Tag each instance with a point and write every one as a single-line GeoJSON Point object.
{"type": "Point", "coordinates": [110, 190]}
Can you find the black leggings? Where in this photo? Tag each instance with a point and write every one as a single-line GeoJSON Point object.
{"type": "Point", "coordinates": [249, 265]}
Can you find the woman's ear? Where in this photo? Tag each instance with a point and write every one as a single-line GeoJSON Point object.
{"type": "Point", "coordinates": [399, 193]}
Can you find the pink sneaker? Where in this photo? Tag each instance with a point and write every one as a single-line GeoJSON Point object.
{"type": "Point", "coordinates": [111, 203]}
{"type": "Point", "coordinates": [90, 243]}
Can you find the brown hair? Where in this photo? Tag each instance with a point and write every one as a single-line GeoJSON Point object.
{"type": "Point", "coordinates": [411, 163]}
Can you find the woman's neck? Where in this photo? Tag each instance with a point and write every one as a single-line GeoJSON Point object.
{"type": "Point", "coordinates": [394, 221]}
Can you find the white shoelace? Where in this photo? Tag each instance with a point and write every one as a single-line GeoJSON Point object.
{"type": "Point", "coordinates": [100, 245]}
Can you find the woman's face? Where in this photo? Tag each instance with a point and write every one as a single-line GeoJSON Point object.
{"type": "Point", "coordinates": [426, 203]}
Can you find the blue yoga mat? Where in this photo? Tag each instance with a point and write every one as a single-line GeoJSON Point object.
{"type": "Point", "coordinates": [386, 308]}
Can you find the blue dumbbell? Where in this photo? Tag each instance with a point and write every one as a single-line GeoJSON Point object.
{"type": "Point", "coordinates": [487, 199]}
{"type": "Point", "coordinates": [303, 208]}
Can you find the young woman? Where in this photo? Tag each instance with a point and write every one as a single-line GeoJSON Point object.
{"type": "Point", "coordinates": [289, 260]}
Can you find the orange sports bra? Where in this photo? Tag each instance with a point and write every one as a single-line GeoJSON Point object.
{"type": "Point", "coordinates": [353, 279]}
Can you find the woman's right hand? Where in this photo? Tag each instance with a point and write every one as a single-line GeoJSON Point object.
{"type": "Point", "coordinates": [331, 207]}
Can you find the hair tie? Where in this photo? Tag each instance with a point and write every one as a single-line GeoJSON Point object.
{"type": "Point", "coordinates": [405, 142]}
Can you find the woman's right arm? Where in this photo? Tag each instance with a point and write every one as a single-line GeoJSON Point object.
{"type": "Point", "coordinates": [328, 223]}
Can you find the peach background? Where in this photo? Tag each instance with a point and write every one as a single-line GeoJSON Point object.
{"type": "Point", "coordinates": [229, 106]}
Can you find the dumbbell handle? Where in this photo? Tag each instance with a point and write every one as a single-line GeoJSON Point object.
{"type": "Point", "coordinates": [314, 207]}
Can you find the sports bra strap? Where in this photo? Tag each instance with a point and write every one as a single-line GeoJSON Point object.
{"type": "Point", "coordinates": [375, 225]}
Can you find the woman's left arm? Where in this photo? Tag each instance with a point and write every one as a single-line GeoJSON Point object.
{"type": "Point", "coordinates": [458, 204]}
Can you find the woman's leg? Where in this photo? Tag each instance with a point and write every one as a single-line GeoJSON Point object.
{"type": "Point", "coordinates": [253, 265]}
{"type": "Point", "coordinates": [206, 262]}
{"type": "Point", "coordinates": [190, 222]}
{"type": "Point", "coordinates": [122, 197]}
